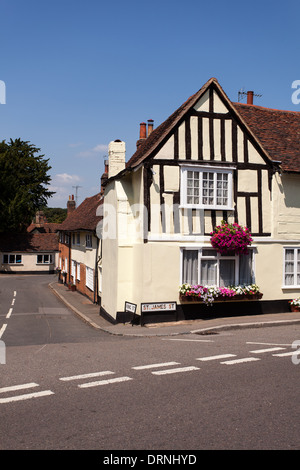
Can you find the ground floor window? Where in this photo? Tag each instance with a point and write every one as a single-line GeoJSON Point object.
{"type": "Point", "coordinates": [89, 278]}
{"type": "Point", "coordinates": [291, 276]}
{"type": "Point", "coordinates": [206, 267]}
{"type": "Point", "coordinates": [12, 259]}
{"type": "Point", "coordinates": [44, 259]}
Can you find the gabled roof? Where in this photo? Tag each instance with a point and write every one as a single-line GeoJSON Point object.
{"type": "Point", "coordinates": [84, 217]}
{"type": "Point", "coordinates": [47, 227]}
{"type": "Point", "coordinates": [278, 132]}
{"type": "Point", "coordinates": [275, 132]}
{"type": "Point", "coordinates": [28, 242]}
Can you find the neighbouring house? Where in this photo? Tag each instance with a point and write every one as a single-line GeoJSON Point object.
{"type": "Point", "coordinates": [212, 160]}
{"type": "Point", "coordinates": [30, 253]}
{"type": "Point", "coordinates": [41, 225]}
{"type": "Point", "coordinates": [79, 247]}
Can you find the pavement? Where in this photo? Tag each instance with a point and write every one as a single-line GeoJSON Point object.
{"type": "Point", "coordinates": [90, 313]}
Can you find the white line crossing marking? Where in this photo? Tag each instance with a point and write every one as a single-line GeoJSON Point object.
{"type": "Point", "coordinates": [258, 351]}
{"type": "Point", "coordinates": [191, 340]}
{"type": "Point", "coordinates": [174, 371]}
{"type": "Point", "coordinates": [105, 382]}
{"type": "Point", "coordinates": [86, 376]}
{"type": "Point", "coordinates": [18, 387]}
{"type": "Point", "coordinates": [3, 329]}
{"type": "Point", "coordinates": [211, 358]}
{"type": "Point", "coordinates": [9, 313]}
{"type": "Point", "coordinates": [239, 361]}
{"type": "Point", "coordinates": [27, 396]}
{"type": "Point", "coordinates": [150, 366]}
{"type": "Point", "coordinates": [267, 344]}
{"type": "Point", "coordinates": [284, 354]}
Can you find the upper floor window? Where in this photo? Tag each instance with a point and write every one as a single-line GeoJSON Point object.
{"type": "Point", "coordinates": [88, 240]}
{"type": "Point", "coordinates": [206, 187]}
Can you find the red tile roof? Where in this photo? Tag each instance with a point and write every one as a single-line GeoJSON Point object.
{"type": "Point", "coordinates": [28, 242]}
{"type": "Point", "coordinates": [84, 217]}
{"type": "Point", "coordinates": [47, 227]}
{"type": "Point", "coordinates": [278, 131]}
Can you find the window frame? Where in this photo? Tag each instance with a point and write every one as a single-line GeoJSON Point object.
{"type": "Point", "coordinates": [206, 169]}
{"type": "Point", "coordinates": [295, 272]}
{"type": "Point", "coordinates": [89, 278]}
{"type": "Point", "coordinates": [88, 240]}
{"type": "Point", "coordinates": [218, 258]}
{"type": "Point", "coordinates": [43, 258]}
{"type": "Point", "coordinates": [9, 255]}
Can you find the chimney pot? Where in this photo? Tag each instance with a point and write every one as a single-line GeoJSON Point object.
{"type": "Point", "coordinates": [250, 97]}
{"type": "Point", "coordinates": [143, 130]}
{"type": "Point", "coordinates": [150, 126]}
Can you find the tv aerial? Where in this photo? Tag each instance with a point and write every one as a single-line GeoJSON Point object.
{"type": "Point", "coordinates": [242, 94]}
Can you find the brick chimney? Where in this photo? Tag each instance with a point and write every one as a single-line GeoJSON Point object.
{"type": "Point", "coordinates": [71, 204]}
{"type": "Point", "coordinates": [104, 177]}
{"type": "Point", "coordinates": [150, 126]}
{"type": "Point", "coordinates": [116, 157]}
{"type": "Point", "coordinates": [250, 97]}
{"type": "Point", "coordinates": [143, 131]}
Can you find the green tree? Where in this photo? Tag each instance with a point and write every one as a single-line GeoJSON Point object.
{"type": "Point", "coordinates": [55, 214]}
{"type": "Point", "coordinates": [23, 184]}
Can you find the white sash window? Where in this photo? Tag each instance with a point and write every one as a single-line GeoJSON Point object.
{"type": "Point", "coordinates": [206, 267]}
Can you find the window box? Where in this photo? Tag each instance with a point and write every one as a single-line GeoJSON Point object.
{"type": "Point", "coordinates": [211, 294]}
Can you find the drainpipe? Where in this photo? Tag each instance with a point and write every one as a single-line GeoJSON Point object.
{"type": "Point", "coordinates": [96, 274]}
{"type": "Point", "coordinates": [69, 268]}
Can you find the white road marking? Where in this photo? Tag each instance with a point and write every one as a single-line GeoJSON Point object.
{"type": "Point", "coordinates": [3, 329]}
{"type": "Point", "coordinates": [150, 366]}
{"type": "Point", "coordinates": [174, 371]}
{"type": "Point", "coordinates": [13, 302]}
{"type": "Point", "coordinates": [17, 387]}
{"type": "Point", "coordinates": [239, 361]}
{"type": "Point", "coordinates": [259, 351]}
{"type": "Point", "coordinates": [105, 382]}
{"type": "Point", "coordinates": [192, 340]}
{"type": "Point", "coordinates": [86, 376]}
{"type": "Point", "coordinates": [9, 313]}
{"type": "Point", "coordinates": [15, 293]}
{"type": "Point", "coordinates": [284, 354]}
{"type": "Point", "coordinates": [267, 344]}
{"type": "Point", "coordinates": [27, 396]}
{"type": "Point", "coordinates": [211, 358]}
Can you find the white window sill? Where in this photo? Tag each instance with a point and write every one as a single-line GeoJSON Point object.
{"type": "Point", "coordinates": [290, 287]}
{"type": "Point", "coordinates": [211, 208]}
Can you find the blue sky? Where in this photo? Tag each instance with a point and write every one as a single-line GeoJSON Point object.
{"type": "Point", "coordinates": [79, 74]}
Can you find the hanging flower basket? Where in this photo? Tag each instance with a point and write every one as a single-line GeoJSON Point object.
{"type": "Point", "coordinates": [228, 238]}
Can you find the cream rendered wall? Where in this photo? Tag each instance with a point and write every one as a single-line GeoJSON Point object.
{"type": "Point", "coordinates": [29, 263]}
{"type": "Point", "coordinates": [81, 254]}
{"type": "Point", "coordinates": [286, 206]}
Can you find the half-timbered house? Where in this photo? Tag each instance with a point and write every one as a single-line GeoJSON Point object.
{"type": "Point", "coordinates": [212, 160]}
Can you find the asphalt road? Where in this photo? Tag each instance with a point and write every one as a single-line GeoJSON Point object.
{"type": "Point", "coordinates": [66, 386]}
